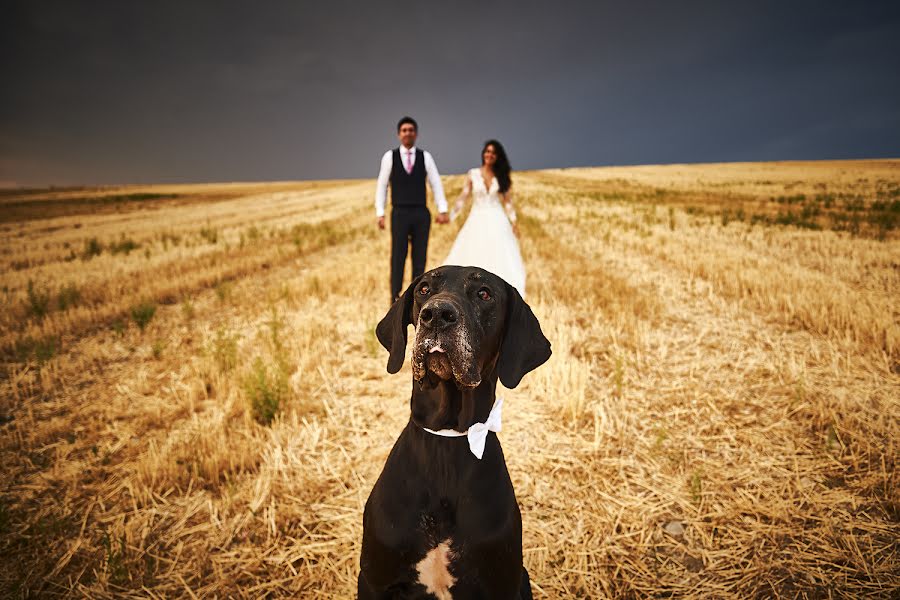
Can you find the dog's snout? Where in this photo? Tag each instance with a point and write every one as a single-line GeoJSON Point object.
{"type": "Point", "coordinates": [439, 314]}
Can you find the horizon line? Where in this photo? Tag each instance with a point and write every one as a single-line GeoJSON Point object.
{"type": "Point", "coordinates": [14, 186]}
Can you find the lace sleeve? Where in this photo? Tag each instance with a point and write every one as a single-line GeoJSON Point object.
{"type": "Point", "coordinates": [508, 206]}
{"type": "Point", "coordinates": [461, 199]}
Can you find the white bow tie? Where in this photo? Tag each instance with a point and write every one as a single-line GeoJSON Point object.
{"type": "Point", "coordinates": [477, 433]}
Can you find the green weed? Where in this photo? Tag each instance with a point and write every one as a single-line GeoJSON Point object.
{"type": "Point", "coordinates": [38, 301]}
{"type": "Point", "coordinates": [266, 389]}
{"type": "Point", "coordinates": [188, 311]}
{"type": "Point", "coordinates": [115, 559]}
{"type": "Point", "coordinates": [68, 296]}
{"type": "Point", "coordinates": [210, 234]}
{"type": "Point", "coordinates": [41, 349]}
{"type": "Point", "coordinates": [276, 326]}
{"type": "Point", "coordinates": [696, 486]}
{"type": "Point", "coordinates": [373, 346]}
{"type": "Point", "coordinates": [92, 248]}
{"type": "Point", "coordinates": [142, 314]}
{"type": "Point", "coordinates": [223, 291]}
{"type": "Point", "coordinates": [123, 246]}
{"type": "Point", "coordinates": [118, 326]}
{"type": "Point", "coordinates": [224, 349]}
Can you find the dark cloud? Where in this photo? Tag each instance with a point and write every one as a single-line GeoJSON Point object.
{"type": "Point", "coordinates": [115, 92]}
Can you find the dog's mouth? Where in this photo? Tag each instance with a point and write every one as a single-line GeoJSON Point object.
{"type": "Point", "coordinates": [436, 360]}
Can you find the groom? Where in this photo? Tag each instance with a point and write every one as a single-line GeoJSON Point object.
{"type": "Point", "coordinates": [406, 168]}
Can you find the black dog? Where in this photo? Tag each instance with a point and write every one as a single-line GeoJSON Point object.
{"type": "Point", "coordinates": [442, 521]}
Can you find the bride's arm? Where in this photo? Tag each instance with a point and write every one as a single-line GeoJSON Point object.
{"type": "Point", "coordinates": [510, 210]}
{"type": "Point", "coordinates": [461, 199]}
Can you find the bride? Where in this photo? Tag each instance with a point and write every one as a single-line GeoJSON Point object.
{"type": "Point", "coordinates": [488, 237]}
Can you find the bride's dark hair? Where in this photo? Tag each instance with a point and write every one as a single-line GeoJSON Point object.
{"type": "Point", "coordinates": [501, 166]}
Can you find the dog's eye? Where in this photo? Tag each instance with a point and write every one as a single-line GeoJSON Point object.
{"type": "Point", "coordinates": [424, 290]}
{"type": "Point", "coordinates": [484, 294]}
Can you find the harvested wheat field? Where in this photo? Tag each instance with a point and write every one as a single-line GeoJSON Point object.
{"type": "Point", "coordinates": [194, 403]}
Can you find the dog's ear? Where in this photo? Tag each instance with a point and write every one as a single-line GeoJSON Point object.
{"type": "Point", "coordinates": [524, 347]}
{"type": "Point", "coordinates": [391, 330]}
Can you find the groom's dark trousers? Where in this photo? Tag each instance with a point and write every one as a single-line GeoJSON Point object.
{"type": "Point", "coordinates": [410, 219]}
{"type": "Point", "coordinates": [409, 224]}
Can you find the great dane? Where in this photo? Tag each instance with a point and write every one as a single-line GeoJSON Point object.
{"type": "Point", "coordinates": [442, 520]}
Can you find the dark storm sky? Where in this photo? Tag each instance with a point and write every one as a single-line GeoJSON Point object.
{"type": "Point", "coordinates": [103, 92]}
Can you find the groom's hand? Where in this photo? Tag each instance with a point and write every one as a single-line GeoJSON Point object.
{"type": "Point", "coordinates": [380, 222]}
{"type": "Point", "coordinates": [443, 218]}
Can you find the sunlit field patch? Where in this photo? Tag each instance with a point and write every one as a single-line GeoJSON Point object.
{"type": "Point", "coordinates": [194, 402]}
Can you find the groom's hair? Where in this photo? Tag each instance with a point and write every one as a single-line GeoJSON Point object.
{"type": "Point", "coordinates": [409, 120]}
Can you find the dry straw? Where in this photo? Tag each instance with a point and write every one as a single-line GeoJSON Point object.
{"type": "Point", "coordinates": [719, 418]}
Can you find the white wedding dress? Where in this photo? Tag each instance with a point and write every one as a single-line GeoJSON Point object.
{"type": "Point", "coordinates": [486, 239]}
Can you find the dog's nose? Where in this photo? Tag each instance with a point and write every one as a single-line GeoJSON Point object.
{"type": "Point", "coordinates": [439, 314]}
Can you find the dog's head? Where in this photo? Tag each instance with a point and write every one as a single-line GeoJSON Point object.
{"type": "Point", "coordinates": [467, 321]}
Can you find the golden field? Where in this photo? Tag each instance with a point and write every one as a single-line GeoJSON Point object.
{"type": "Point", "coordinates": [194, 403]}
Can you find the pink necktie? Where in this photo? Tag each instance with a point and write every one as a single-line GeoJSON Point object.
{"type": "Point", "coordinates": [409, 162]}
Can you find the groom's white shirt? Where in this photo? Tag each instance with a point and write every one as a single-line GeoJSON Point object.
{"type": "Point", "coordinates": [384, 176]}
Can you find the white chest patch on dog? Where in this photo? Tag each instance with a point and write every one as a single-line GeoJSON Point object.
{"type": "Point", "coordinates": [434, 571]}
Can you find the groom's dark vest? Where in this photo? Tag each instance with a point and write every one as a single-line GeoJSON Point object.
{"type": "Point", "coordinates": [408, 189]}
